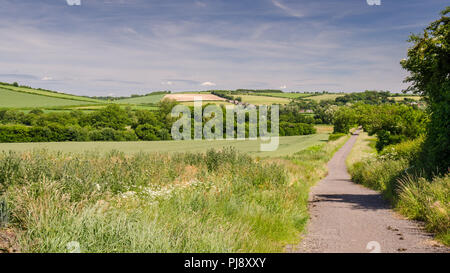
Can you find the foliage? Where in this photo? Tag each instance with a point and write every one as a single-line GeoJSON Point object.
{"type": "Point", "coordinates": [114, 123]}
{"type": "Point", "coordinates": [344, 119]}
{"type": "Point", "coordinates": [367, 97]}
{"type": "Point", "coordinates": [428, 62]}
{"type": "Point", "coordinates": [296, 129]}
{"type": "Point", "coordinates": [391, 123]}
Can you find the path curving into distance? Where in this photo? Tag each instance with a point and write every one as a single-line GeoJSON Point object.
{"type": "Point", "coordinates": [347, 217]}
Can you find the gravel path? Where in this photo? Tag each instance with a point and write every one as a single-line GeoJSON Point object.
{"type": "Point", "coordinates": [347, 217]}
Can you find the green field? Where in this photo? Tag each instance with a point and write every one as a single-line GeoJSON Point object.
{"type": "Point", "coordinates": [325, 97]}
{"type": "Point", "coordinates": [288, 145]}
{"type": "Point", "coordinates": [262, 100]}
{"type": "Point", "coordinates": [50, 94]}
{"type": "Point", "coordinates": [14, 99]}
{"type": "Point", "coordinates": [400, 98]}
{"type": "Point", "coordinates": [142, 100]}
{"type": "Point", "coordinates": [285, 95]}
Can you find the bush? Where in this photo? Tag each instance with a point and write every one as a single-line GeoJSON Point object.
{"type": "Point", "coordinates": [407, 150]}
{"type": "Point", "coordinates": [109, 134]}
{"type": "Point", "coordinates": [147, 132]}
{"type": "Point", "coordinates": [15, 133]}
{"type": "Point", "coordinates": [296, 129]}
{"type": "Point", "coordinates": [380, 175]}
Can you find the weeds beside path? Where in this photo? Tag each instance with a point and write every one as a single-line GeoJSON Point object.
{"type": "Point", "coordinates": [346, 217]}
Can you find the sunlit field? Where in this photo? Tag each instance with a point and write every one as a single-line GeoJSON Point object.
{"type": "Point", "coordinates": [218, 201]}
{"type": "Point", "coordinates": [287, 146]}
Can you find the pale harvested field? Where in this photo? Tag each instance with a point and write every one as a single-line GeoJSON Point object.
{"type": "Point", "coordinates": [191, 97]}
{"type": "Point", "coordinates": [216, 102]}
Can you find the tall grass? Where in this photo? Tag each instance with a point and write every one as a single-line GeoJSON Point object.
{"type": "Point", "coordinates": [427, 201]}
{"type": "Point", "coordinates": [219, 201]}
{"type": "Point", "coordinates": [396, 174]}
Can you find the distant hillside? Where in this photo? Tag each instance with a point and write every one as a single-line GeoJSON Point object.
{"type": "Point", "coordinates": [148, 99]}
{"type": "Point", "coordinates": [47, 93]}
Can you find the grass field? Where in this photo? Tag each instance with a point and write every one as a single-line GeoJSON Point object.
{"type": "Point", "coordinates": [142, 100]}
{"type": "Point", "coordinates": [262, 100]}
{"type": "Point", "coordinates": [50, 94]}
{"type": "Point", "coordinates": [14, 99]}
{"type": "Point", "coordinates": [325, 97]}
{"type": "Point", "coordinates": [285, 95]}
{"type": "Point", "coordinates": [288, 145]}
{"type": "Point", "coordinates": [400, 98]}
{"type": "Point", "coordinates": [324, 128]}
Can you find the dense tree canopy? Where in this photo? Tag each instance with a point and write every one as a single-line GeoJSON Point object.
{"type": "Point", "coordinates": [428, 62]}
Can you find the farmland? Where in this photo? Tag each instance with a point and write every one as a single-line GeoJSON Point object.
{"type": "Point", "coordinates": [288, 145]}
{"type": "Point", "coordinates": [48, 93]}
{"type": "Point", "coordinates": [286, 95]}
{"type": "Point", "coordinates": [153, 99]}
{"type": "Point", "coordinates": [325, 97]}
{"type": "Point", "coordinates": [262, 100]}
{"type": "Point", "coordinates": [400, 98]}
{"type": "Point", "coordinates": [192, 97]}
{"type": "Point", "coordinates": [216, 102]}
{"type": "Point", "coordinates": [14, 99]}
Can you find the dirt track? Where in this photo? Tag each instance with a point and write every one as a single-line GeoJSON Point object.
{"type": "Point", "coordinates": [346, 217]}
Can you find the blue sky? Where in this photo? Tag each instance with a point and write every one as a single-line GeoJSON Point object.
{"type": "Point", "coordinates": [123, 47]}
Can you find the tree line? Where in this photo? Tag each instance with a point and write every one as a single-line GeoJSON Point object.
{"type": "Point", "coordinates": [112, 123]}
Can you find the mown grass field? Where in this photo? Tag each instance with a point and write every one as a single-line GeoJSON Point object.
{"type": "Point", "coordinates": [262, 100]}
{"type": "Point", "coordinates": [14, 99]}
{"type": "Point", "coordinates": [400, 98]}
{"type": "Point", "coordinates": [285, 95]}
{"type": "Point", "coordinates": [324, 128]}
{"type": "Point", "coordinates": [50, 94]}
{"type": "Point", "coordinates": [184, 202]}
{"type": "Point", "coordinates": [287, 146]}
{"type": "Point", "coordinates": [325, 97]}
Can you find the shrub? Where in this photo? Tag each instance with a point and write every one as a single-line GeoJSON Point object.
{"type": "Point", "coordinates": [147, 132]}
{"type": "Point", "coordinates": [407, 150]}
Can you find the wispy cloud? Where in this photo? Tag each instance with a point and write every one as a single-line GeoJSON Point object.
{"type": "Point", "coordinates": [73, 2]}
{"type": "Point", "coordinates": [289, 11]}
{"type": "Point", "coordinates": [96, 50]}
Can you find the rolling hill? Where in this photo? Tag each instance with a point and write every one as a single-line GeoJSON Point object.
{"type": "Point", "coordinates": [18, 99]}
